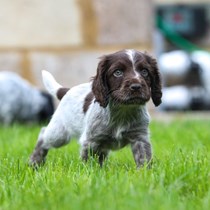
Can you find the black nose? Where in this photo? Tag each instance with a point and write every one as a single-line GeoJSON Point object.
{"type": "Point", "coordinates": [135, 86]}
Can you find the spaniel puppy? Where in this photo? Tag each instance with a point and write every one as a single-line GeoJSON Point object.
{"type": "Point", "coordinates": [106, 114]}
{"type": "Point", "coordinates": [21, 102]}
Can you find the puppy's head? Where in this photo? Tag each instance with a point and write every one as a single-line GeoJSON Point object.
{"type": "Point", "coordinates": [127, 77]}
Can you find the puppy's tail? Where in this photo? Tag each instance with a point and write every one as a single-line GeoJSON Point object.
{"type": "Point", "coordinates": [53, 87]}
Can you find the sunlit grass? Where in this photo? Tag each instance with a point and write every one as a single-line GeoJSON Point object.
{"type": "Point", "coordinates": [179, 178]}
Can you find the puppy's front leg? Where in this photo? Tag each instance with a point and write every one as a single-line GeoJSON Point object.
{"type": "Point", "coordinates": [142, 152]}
{"type": "Point", "coordinates": [88, 149]}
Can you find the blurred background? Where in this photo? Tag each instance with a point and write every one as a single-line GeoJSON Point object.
{"type": "Point", "coordinates": [66, 37]}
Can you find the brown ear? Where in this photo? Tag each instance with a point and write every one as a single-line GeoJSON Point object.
{"type": "Point", "coordinates": [99, 87]}
{"type": "Point", "coordinates": [156, 85]}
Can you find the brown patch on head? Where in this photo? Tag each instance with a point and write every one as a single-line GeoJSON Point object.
{"type": "Point", "coordinates": [61, 92]}
{"type": "Point", "coordinates": [100, 88]}
{"type": "Point", "coordinates": [156, 82]}
{"type": "Point", "coordinates": [87, 101]}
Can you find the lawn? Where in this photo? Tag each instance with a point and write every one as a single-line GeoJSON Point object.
{"type": "Point", "coordinates": [179, 178]}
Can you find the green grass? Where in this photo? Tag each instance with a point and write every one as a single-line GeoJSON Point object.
{"type": "Point", "coordinates": [179, 178]}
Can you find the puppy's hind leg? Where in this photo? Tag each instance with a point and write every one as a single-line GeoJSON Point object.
{"type": "Point", "coordinates": [54, 135]}
{"type": "Point", "coordinates": [39, 153]}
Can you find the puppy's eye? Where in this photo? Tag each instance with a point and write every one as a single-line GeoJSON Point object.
{"type": "Point", "coordinates": [118, 73]}
{"type": "Point", "coordinates": [144, 72]}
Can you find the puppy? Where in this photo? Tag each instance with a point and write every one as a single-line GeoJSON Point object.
{"type": "Point", "coordinates": [106, 114]}
{"type": "Point", "coordinates": [21, 102]}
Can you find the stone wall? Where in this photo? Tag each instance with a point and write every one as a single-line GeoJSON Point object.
{"type": "Point", "coordinates": [38, 23]}
{"type": "Point", "coordinates": [66, 37]}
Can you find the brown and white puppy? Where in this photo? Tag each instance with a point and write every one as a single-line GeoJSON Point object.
{"type": "Point", "coordinates": [108, 113]}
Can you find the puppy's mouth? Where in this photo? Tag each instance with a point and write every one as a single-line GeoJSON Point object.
{"type": "Point", "coordinates": [129, 98]}
{"type": "Point", "coordinates": [136, 100]}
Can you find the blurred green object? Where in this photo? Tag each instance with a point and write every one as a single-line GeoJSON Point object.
{"type": "Point", "coordinates": [174, 37]}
